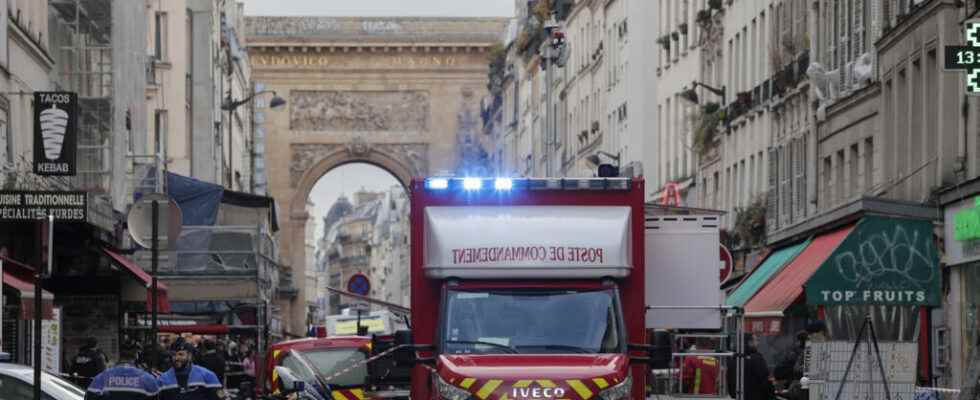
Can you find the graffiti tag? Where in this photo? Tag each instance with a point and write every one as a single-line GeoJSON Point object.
{"type": "Point", "coordinates": [883, 254]}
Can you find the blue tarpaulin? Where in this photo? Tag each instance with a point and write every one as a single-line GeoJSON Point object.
{"type": "Point", "coordinates": [198, 200]}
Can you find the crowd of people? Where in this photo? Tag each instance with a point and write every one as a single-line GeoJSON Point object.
{"type": "Point", "coordinates": [185, 367]}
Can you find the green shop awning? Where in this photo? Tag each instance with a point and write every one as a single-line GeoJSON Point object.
{"type": "Point", "coordinates": [883, 261]}
{"type": "Point", "coordinates": [763, 273]}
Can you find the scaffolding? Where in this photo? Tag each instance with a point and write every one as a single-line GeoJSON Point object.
{"type": "Point", "coordinates": [82, 48]}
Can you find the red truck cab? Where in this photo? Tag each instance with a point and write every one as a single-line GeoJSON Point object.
{"type": "Point", "coordinates": [328, 356]}
{"type": "Point", "coordinates": [528, 289]}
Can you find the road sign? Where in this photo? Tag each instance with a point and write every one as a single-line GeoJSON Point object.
{"type": "Point", "coordinates": [36, 205]}
{"type": "Point", "coordinates": [726, 263]}
{"type": "Point", "coordinates": [359, 284]}
{"type": "Point", "coordinates": [140, 221]}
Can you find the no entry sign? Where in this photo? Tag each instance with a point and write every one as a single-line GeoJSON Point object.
{"type": "Point", "coordinates": [359, 284]}
{"type": "Point", "coordinates": [726, 263]}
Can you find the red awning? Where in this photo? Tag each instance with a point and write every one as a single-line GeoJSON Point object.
{"type": "Point", "coordinates": [200, 329]}
{"type": "Point", "coordinates": [786, 287]}
{"type": "Point", "coordinates": [163, 305]}
{"type": "Point", "coordinates": [26, 290]}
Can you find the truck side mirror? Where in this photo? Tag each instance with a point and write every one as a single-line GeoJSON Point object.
{"type": "Point", "coordinates": [290, 382]}
{"type": "Point", "coordinates": [404, 355]}
{"type": "Point", "coordinates": [403, 337]}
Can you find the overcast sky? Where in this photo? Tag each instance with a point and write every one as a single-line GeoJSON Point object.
{"type": "Point", "coordinates": [345, 180]}
{"type": "Point", "coordinates": [382, 8]}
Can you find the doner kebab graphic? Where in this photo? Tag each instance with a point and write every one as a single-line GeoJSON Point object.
{"type": "Point", "coordinates": [54, 123]}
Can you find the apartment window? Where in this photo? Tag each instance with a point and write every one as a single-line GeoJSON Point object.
{"type": "Point", "coordinates": [728, 188]}
{"type": "Point", "coordinates": [772, 198]}
{"type": "Point", "coordinates": [853, 163]}
{"type": "Point", "coordinates": [800, 177]}
{"type": "Point", "coordinates": [869, 156]}
{"type": "Point", "coordinates": [159, 132]}
{"type": "Point", "coordinates": [716, 181]}
{"type": "Point", "coordinates": [827, 183]}
{"type": "Point", "coordinates": [160, 36]}
{"type": "Point", "coordinates": [841, 193]}
{"type": "Point", "coordinates": [744, 188]}
{"type": "Point", "coordinates": [6, 139]}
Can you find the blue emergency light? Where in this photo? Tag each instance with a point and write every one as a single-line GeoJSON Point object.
{"type": "Point", "coordinates": [472, 183]}
{"type": "Point", "coordinates": [503, 184]}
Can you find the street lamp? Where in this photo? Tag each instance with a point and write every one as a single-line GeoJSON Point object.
{"type": "Point", "coordinates": [230, 106]}
{"type": "Point", "coordinates": [692, 95]}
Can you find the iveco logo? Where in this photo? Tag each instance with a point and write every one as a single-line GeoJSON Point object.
{"type": "Point", "coordinates": [537, 393]}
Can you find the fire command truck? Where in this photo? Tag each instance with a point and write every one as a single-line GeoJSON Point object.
{"type": "Point", "coordinates": [527, 289]}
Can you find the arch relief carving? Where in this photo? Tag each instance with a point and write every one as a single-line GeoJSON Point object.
{"type": "Point", "coordinates": [404, 160]}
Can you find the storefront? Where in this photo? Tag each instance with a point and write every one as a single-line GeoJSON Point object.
{"type": "Point", "coordinates": [884, 267]}
{"type": "Point", "coordinates": [18, 309]}
{"type": "Point", "coordinates": [962, 223]}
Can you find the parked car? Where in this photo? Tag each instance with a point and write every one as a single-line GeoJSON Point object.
{"type": "Point", "coordinates": [17, 383]}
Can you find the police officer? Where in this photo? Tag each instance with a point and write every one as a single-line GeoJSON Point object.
{"type": "Point", "coordinates": [123, 381]}
{"type": "Point", "coordinates": [186, 381]}
{"type": "Point", "coordinates": [89, 362]}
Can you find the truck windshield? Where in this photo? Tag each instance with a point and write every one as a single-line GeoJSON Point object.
{"type": "Point", "coordinates": [535, 322]}
{"type": "Point", "coordinates": [329, 362]}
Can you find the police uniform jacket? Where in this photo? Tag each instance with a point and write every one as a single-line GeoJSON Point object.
{"type": "Point", "coordinates": [123, 382]}
{"type": "Point", "coordinates": [202, 384]}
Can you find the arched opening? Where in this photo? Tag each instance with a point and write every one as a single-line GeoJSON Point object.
{"type": "Point", "coordinates": [357, 224]}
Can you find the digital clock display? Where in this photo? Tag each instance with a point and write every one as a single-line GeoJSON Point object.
{"type": "Point", "coordinates": [962, 58]}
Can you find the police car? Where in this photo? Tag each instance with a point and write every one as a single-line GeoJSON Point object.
{"type": "Point", "coordinates": [16, 383]}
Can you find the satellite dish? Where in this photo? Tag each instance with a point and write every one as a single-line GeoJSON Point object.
{"type": "Point", "coordinates": [140, 220]}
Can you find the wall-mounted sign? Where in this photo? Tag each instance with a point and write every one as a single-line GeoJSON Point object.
{"type": "Point", "coordinates": [882, 261]}
{"type": "Point", "coordinates": [966, 223]}
{"type": "Point", "coordinates": [30, 206]}
{"type": "Point", "coordinates": [55, 133]}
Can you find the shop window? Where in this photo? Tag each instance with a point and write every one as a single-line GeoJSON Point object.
{"type": "Point", "coordinates": [892, 323]}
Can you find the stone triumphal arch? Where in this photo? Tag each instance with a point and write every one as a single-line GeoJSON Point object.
{"type": "Point", "coordinates": [399, 93]}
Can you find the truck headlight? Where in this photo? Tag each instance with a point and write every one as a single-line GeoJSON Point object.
{"type": "Point", "coordinates": [619, 391]}
{"type": "Point", "coordinates": [449, 392]}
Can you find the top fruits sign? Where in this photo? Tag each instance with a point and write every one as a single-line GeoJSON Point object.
{"type": "Point", "coordinates": [55, 133]}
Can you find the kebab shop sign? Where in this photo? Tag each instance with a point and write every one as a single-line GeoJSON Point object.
{"type": "Point", "coordinates": [518, 254]}
{"type": "Point", "coordinates": [55, 133]}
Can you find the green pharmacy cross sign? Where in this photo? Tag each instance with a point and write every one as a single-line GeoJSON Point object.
{"type": "Point", "coordinates": [966, 223]}
{"type": "Point", "coordinates": [967, 58]}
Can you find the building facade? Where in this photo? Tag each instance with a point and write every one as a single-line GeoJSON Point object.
{"type": "Point", "coordinates": [838, 113]}
{"type": "Point", "coordinates": [606, 73]}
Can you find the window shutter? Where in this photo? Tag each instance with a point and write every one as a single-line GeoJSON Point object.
{"type": "Point", "coordinates": [772, 212]}
{"type": "Point", "coordinates": [859, 27]}
{"type": "Point", "coordinates": [801, 178]}
{"type": "Point", "coordinates": [800, 23]}
{"type": "Point", "coordinates": [786, 193]}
